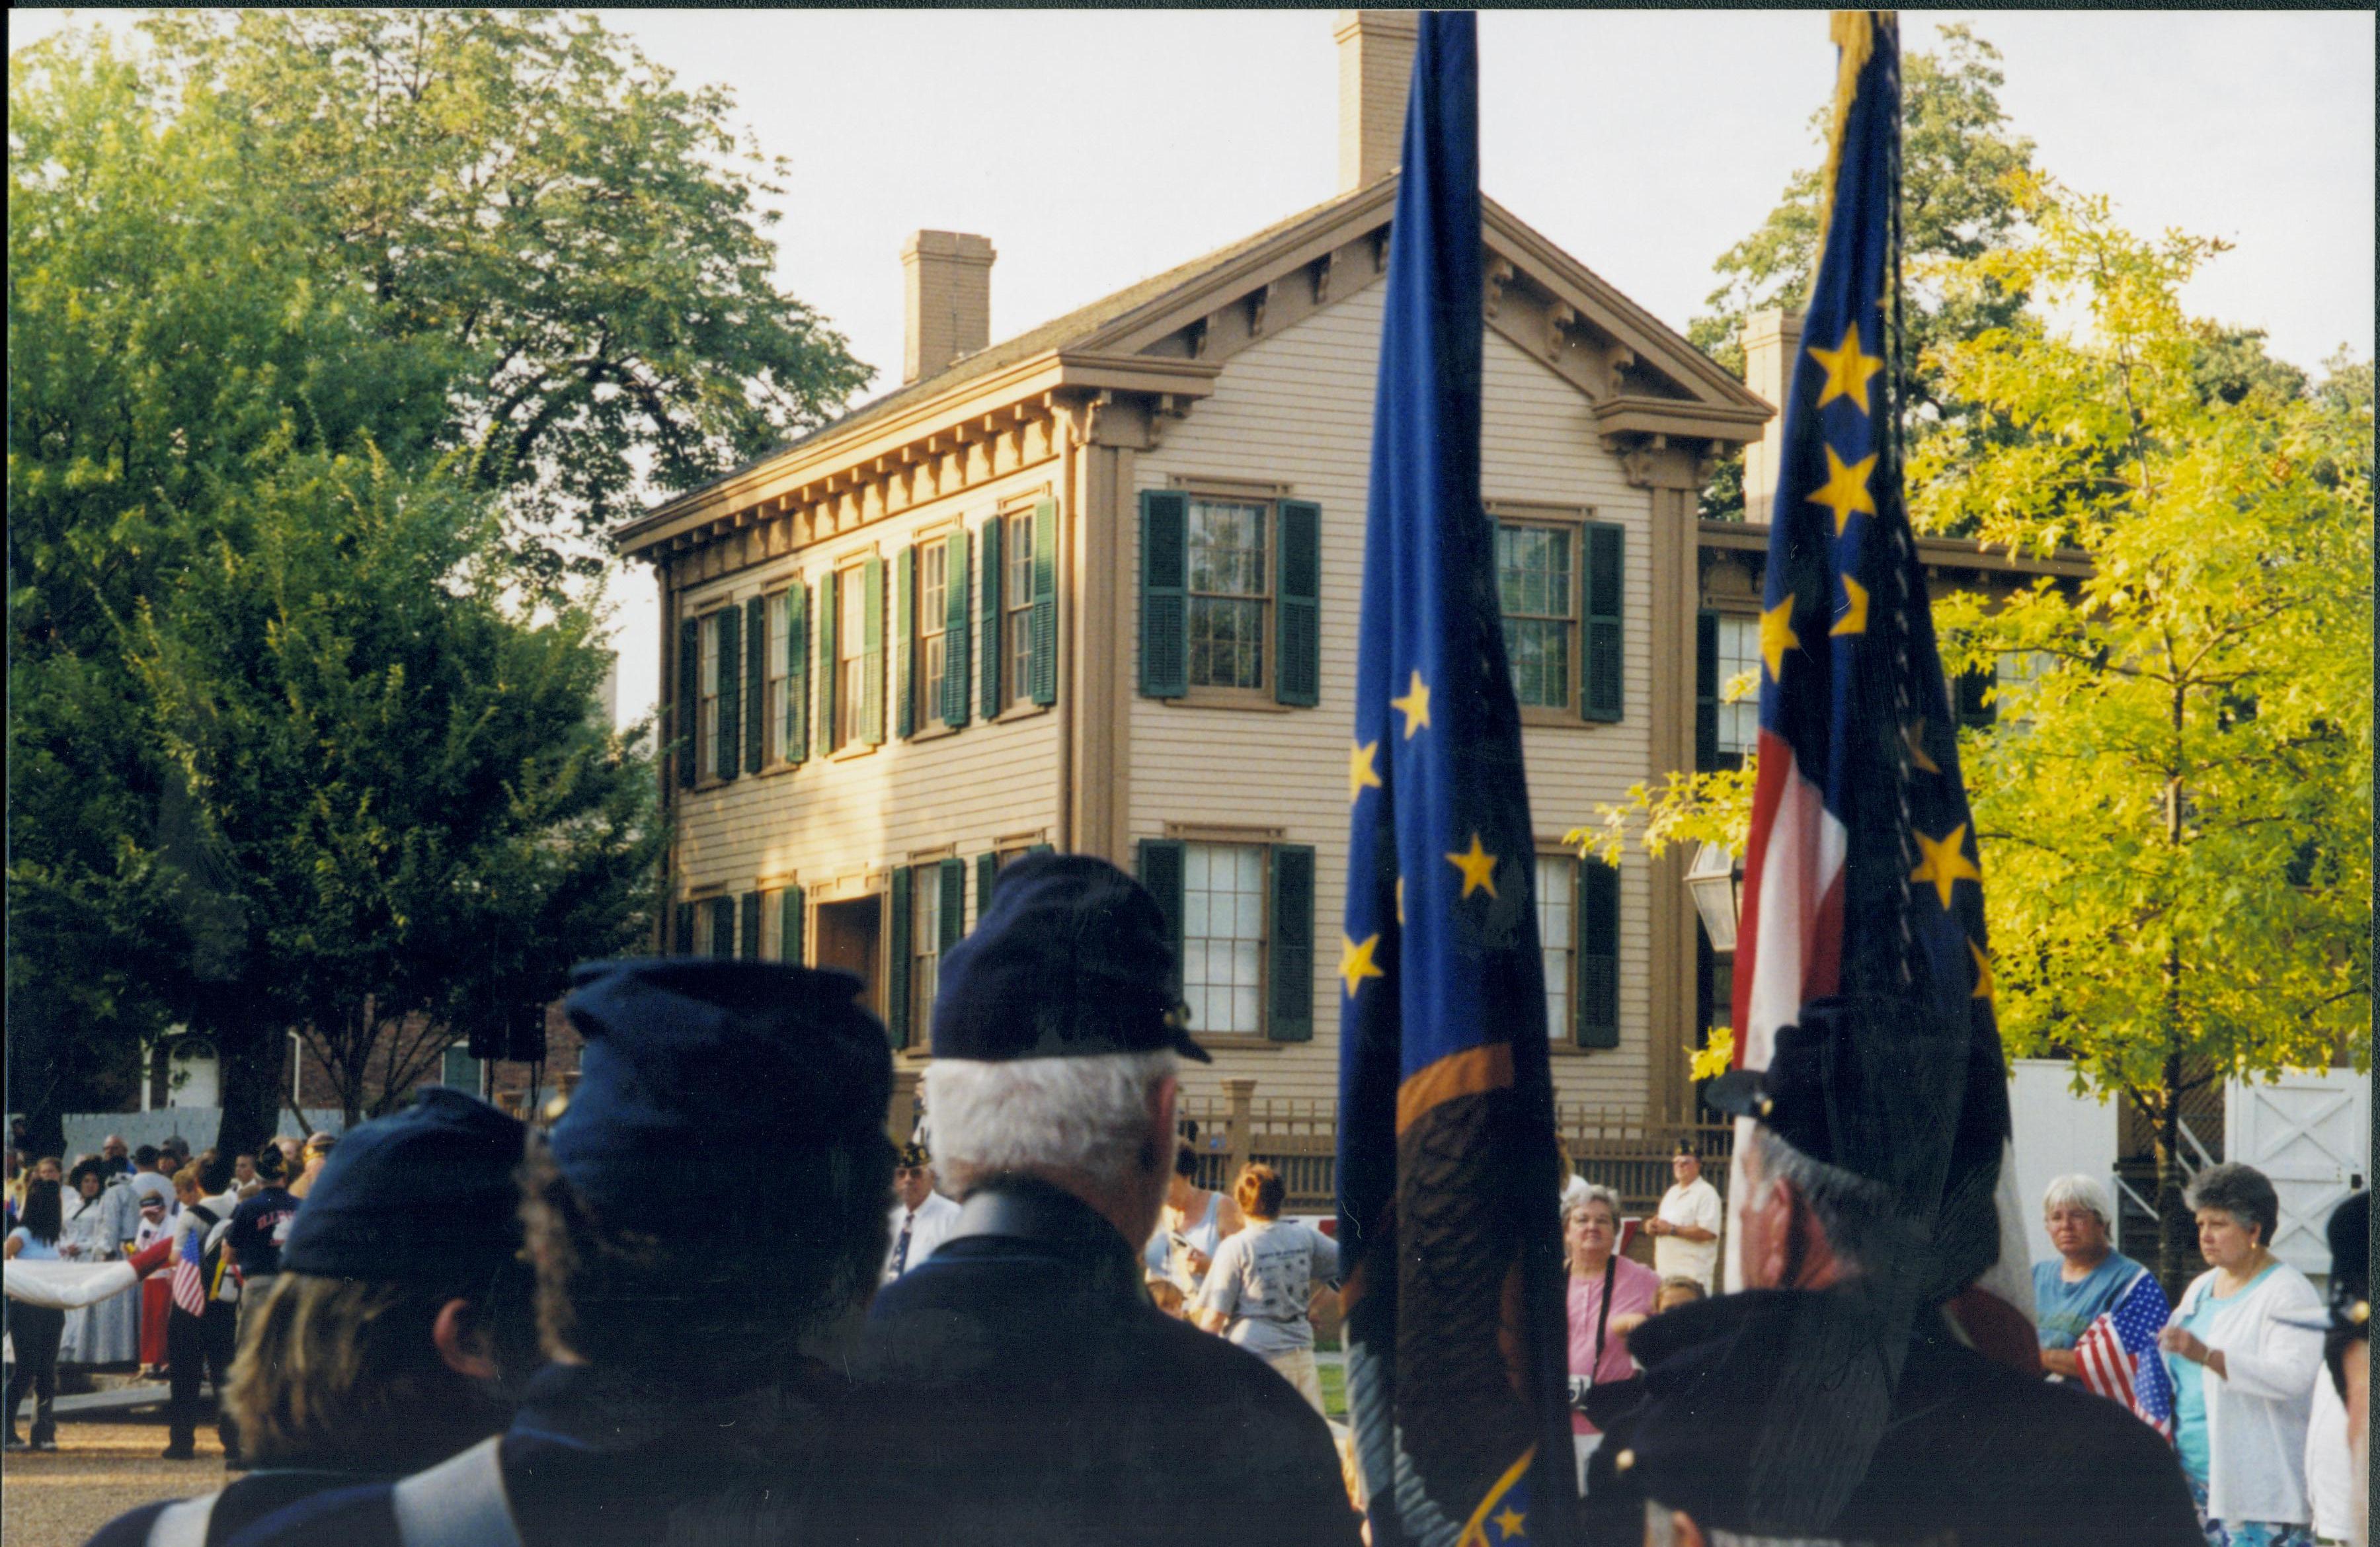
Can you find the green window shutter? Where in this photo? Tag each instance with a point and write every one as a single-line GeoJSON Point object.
{"type": "Point", "coordinates": [871, 647]}
{"type": "Point", "coordinates": [789, 923]}
{"type": "Point", "coordinates": [1598, 955]}
{"type": "Point", "coordinates": [904, 651]}
{"type": "Point", "coordinates": [896, 959]}
{"type": "Point", "coordinates": [953, 882]}
{"type": "Point", "coordinates": [1044, 685]}
{"type": "Point", "coordinates": [756, 683]}
{"type": "Point", "coordinates": [1291, 967]}
{"type": "Point", "coordinates": [1607, 548]}
{"type": "Point", "coordinates": [987, 875]}
{"type": "Point", "coordinates": [1164, 593]}
{"type": "Point", "coordinates": [1298, 613]}
{"type": "Point", "coordinates": [954, 629]}
{"type": "Point", "coordinates": [1160, 866]}
{"type": "Point", "coordinates": [747, 934]}
{"type": "Point", "coordinates": [829, 586]}
{"type": "Point", "coordinates": [683, 944]}
{"type": "Point", "coordinates": [689, 701]}
{"type": "Point", "coordinates": [797, 673]}
{"type": "Point", "coordinates": [722, 926]}
{"type": "Point", "coordinates": [988, 612]}
{"type": "Point", "coordinates": [730, 693]}
{"type": "Point", "coordinates": [1705, 692]}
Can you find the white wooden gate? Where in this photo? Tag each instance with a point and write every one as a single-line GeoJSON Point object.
{"type": "Point", "coordinates": [2311, 1133]}
{"type": "Point", "coordinates": [2057, 1133]}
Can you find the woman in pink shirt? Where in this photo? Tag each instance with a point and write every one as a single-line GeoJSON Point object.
{"type": "Point", "coordinates": [1609, 1298]}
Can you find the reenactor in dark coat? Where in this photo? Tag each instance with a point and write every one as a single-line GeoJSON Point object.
{"type": "Point", "coordinates": [1038, 1395]}
{"type": "Point", "coordinates": [1832, 1401]}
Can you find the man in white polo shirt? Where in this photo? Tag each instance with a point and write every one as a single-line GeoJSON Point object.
{"type": "Point", "coordinates": [1685, 1231]}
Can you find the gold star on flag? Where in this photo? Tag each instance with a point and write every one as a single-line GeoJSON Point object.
{"type": "Point", "coordinates": [1777, 637]}
{"type": "Point", "coordinates": [1846, 491]}
{"type": "Point", "coordinates": [1913, 734]}
{"type": "Point", "coordinates": [1356, 962]}
{"type": "Point", "coordinates": [1401, 902]}
{"type": "Point", "coordinates": [1854, 618]}
{"type": "Point", "coordinates": [1478, 868]}
{"type": "Point", "coordinates": [1360, 773]}
{"type": "Point", "coordinates": [1946, 863]}
{"type": "Point", "coordinates": [1511, 1522]}
{"type": "Point", "coordinates": [1983, 972]}
{"type": "Point", "coordinates": [1848, 369]}
{"type": "Point", "coordinates": [1415, 706]}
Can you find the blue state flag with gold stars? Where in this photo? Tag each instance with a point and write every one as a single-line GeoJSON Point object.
{"type": "Point", "coordinates": [1448, 1188]}
{"type": "Point", "coordinates": [1862, 872]}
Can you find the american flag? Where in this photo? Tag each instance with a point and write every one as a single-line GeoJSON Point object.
{"type": "Point", "coordinates": [188, 1284]}
{"type": "Point", "coordinates": [2119, 1358]}
{"type": "Point", "coordinates": [1862, 873]}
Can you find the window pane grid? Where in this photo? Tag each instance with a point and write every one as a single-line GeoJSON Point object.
{"type": "Point", "coordinates": [1230, 585]}
{"type": "Point", "coordinates": [925, 954]}
{"type": "Point", "coordinates": [1016, 602]}
{"type": "Point", "coordinates": [932, 560]}
{"type": "Point", "coordinates": [1534, 582]}
{"type": "Point", "coordinates": [1222, 936]}
{"type": "Point", "coordinates": [1738, 651]}
{"type": "Point", "coordinates": [780, 698]}
{"type": "Point", "coordinates": [707, 736]}
{"type": "Point", "coordinates": [851, 652]}
{"type": "Point", "coordinates": [1557, 932]}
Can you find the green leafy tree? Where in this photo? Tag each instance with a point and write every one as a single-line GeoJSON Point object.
{"type": "Point", "coordinates": [504, 253]}
{"type": "Point", "coordinates": [2175, 806]}
{"type": "Point", "coordinates": [1962, 175]}
{"type": "Point", "coordinates": [412, 804]}
{"type": "Point", "coordinates": [2174, 802]}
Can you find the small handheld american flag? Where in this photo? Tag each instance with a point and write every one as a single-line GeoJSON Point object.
{"type": "Point", "coordinates": [2119, 1358]}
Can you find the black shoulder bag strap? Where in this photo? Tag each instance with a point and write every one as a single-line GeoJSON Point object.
{"type": "Point", "coordinates": [1603, 1313]}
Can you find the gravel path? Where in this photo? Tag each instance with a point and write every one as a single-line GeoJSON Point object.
{"type": "Point", "coordinates": [59, 1498]}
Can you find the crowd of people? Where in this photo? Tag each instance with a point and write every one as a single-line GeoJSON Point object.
{"type": "Point", "coordinates": [224, 1221]}
{"type": "Point", "coordinates": [452, 1328]}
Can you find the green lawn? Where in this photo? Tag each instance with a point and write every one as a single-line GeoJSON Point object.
{"type": "Point", "coordinates": [1334, 1389]}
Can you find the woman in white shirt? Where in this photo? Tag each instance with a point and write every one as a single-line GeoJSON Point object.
{"type": "Point", "coordinates": [2244, 1376]}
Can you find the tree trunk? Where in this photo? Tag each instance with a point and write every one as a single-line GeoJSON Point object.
{"type": "Point", "coordinates": [251, 1060]}
{"type": "Point", "coordinates": [2177, 1260]}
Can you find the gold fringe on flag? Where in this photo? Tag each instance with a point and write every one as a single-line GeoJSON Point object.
{"type": "Point", "coordinates": [1854, 37]}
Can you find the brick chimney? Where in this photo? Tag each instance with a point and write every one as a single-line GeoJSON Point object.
{"type": "Point", "coordinates": [1376, 55]}
{"type": "Point", "coordinates": [1772, 342]}
{"type": "Point", "coordinates": [949, 275]}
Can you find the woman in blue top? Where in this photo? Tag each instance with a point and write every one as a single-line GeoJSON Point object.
{"type": "Point", "coordinates": [2088, 1275]}
{"type": "Point", "coordinates": [35, 1329]}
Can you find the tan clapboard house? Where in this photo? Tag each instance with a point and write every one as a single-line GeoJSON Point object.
{"type": "Point", "coordinates": [1095, 589]}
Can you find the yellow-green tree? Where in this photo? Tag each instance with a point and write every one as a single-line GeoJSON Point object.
{"type": "Point", "coordinates": [2174, 804]}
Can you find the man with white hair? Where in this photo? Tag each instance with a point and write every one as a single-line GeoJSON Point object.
{"type": "Point", "coordinates": [1832, 1401]}
{"type": "Point", "coordinates": [2089, 1275]}
{"type": "Point", "coordinates": [1039, 1395]}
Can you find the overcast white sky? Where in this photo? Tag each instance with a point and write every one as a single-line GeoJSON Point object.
{"type": "Point", "coordinates": [1095, 148]}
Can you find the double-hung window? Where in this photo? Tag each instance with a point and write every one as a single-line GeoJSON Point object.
{"type": "Point", "coordinates": [851, 657]}
{"type": "Point", "coordinates": [708, 732]}
{"type": "Point", "coordinates": [1230, 593]}
{"type": "Point", "coordinates": [1223, 937]}
{"type": "Point", "coordinates": [1739, 655]}
{"type": "Point", "coordinates": [1537, 582]}
{"type": "Point", "coordinates": [1557, 936]}
{"type": "Point", "coordinates": [778, 693]}
{"type": "Point", "coordinates": [925, 955]}
{"type": "Point", "coordinates": [933, 615]}
{"type": "Point", "coordinates": [1017, 606]}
